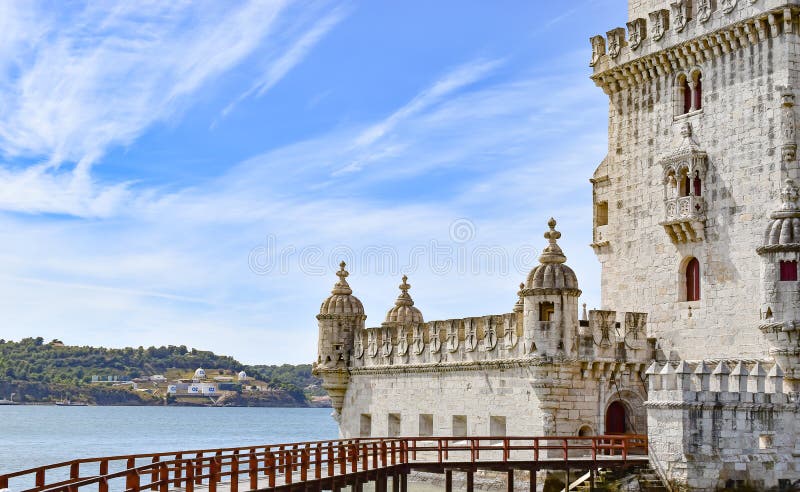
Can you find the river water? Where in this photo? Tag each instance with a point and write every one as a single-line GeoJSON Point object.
{"type": "Point", "coordinates": [31, 436]}
{"type": "Point", "coordinates": [37, 435]}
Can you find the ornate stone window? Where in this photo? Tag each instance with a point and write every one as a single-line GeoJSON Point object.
{"type": "Point", "coordinates": [688, 92]}
{"type": "Point", "coordinates": [684, 205]}
{"type": "Point", "coordinates": [691, 276]}
{"type": "Point", "coordinates": [788, 271]}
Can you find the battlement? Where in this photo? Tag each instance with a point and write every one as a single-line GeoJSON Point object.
{"type": "Point", "coordinates": [504, 337]}
{"type": "Point", "coordinates": [694, 385]}
{"type": "Point", "coordinates": [683, 34]}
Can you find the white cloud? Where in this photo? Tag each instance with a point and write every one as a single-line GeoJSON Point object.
{"type": "Point", "coordinates": [150, 267]}
{"type": "Point", "coordinates": [98, 77]}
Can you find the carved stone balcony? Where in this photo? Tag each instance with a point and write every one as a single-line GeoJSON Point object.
{"type": "Point", "coordinates": [685, 218]}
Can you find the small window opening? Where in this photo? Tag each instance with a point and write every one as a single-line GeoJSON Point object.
{"type": "Point", "coordinates": [693, 280]}
{"type": "Point", "coordinates": [765, 441]}
{"type": "Point", "coordinates": [394, 424]}
{"type": "Point", "coordinates": [546, 311]}
{"type": "Point", "coordinates": [789, 271]}
{"type": "Point", "coordinates": [686, 185]}
{"type": "Point", "coordinates": [602, 213]}
{"type": "Point", "coordinates": [585, 431]}
{"type": "Point", "coordinates": [497, 426]}
{"type": "Point", "coordinates": [686, 91]}
{"type": "Point", "coordinates": [698, 185]}
{"type": "Point", "coordinates": [698, 91]}
{"type": "Point", "coordinates": [366, 425]}
{"type": "Point", "coordinates": [459, 425]}
{"type": "Point", "coordinates": [425, 424]}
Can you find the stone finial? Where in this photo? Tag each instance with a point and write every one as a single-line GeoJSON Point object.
{"type": "Point", "coordinates": [519, 306]}
{"type": "Point", "coordinates": [552, 253]}
{"type": "Point", "coordinates": [404, 299]}
{"type": "Point", "coordinates": [721, 373]}
{"type": "Point", "coordinates": [789, 195]}
{"type": "Point", "coordinates": [584, 315]}
{"type": "Point", "coordinates": [342, 287]}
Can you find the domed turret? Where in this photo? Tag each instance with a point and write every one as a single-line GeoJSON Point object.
{"type": "Point", "coordinates": [340, 319]}
{"type": "Point", "coordinates": [550, 307]}
{"type": "Point", "coordinates": [783, 231]}
{"type": "Point", "coordinates": [342, 300]}
{"type": "Point", "coordinates": [780, 255]}
{"type": "Point", "coordinates": [403, 312]}
{"type": "Point", "coordinates": [552, 272]}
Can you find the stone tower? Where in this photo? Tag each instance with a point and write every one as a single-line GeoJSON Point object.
{"type": "Point", "coordinates": [701, 141]}
{"type": "Point", "coordinates": [696, 223]}
{"type": "Point", "coordinates": [340, 317]}
{"type": "Point", "coordinates": [551, 302]}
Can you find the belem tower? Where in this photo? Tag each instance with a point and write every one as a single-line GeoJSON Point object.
{"type": "Point", "coordinates": [697, 228]}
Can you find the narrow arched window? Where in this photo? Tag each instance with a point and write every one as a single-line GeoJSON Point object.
{"type": "Point", "coordinates": [698, 91]}
{"type": "Point", "coordinates": [687, 95]}
{"type": "Point", "coordinates": [693, 280]}
{"type": "Point", "coordinates": [698, 188]}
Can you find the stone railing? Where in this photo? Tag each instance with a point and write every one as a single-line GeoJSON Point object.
{"type": "Point", "coordinates": [685, 208]}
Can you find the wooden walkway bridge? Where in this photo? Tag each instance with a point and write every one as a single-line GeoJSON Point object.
{"type": "Point", "coordinates": [333, 465]}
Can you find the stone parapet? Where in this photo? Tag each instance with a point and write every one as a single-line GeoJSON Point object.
{"type": "Point", "coordinates": [621, 62]}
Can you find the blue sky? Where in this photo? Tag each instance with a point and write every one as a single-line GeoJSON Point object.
{"type": "Point", "coordinates": [192, 172]}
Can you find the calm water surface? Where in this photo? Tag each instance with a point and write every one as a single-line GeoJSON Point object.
{"type": "Point", "coordinates": [37, 435]}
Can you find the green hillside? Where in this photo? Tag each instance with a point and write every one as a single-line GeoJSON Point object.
{"type": "Point", "coordinates": [40, 371]}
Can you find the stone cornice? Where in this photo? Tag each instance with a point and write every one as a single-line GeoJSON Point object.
{"type": "Point", "coordinates": [557, 292]}
{"type": "Point", "coordinates": [613, 78]}
{"type": "Point", "coordinates": [779, 248]}
{"type": "Point", "coordinates": [733, 406]}
{"type": "Point", "coordinates": [479, 365]}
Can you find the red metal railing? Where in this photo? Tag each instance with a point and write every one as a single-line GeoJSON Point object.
{"type": "Point", "coordinates": [259, 467]}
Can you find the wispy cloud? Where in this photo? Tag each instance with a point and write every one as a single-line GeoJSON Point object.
{"type": "Point", "coordinates": [99, 76]}
{"type": "Point", "coordinates": [285, 61]}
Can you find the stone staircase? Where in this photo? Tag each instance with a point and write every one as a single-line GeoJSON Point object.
{"type": "Point", "coordinates": [642, 479]}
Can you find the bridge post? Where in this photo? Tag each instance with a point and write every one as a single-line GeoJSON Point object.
{"type": "Point", "coordinates": [395, 482]}
{"type": "Point", "coordinates": [510, 480]}
{"type": "Point", "coordinates": [404, 481]}
{"type": "Point", "coordinates": [448, 481]}
{"type": "Point", "coordinates": [591, 479]}
{"type": "Point", "coordinates": [532, 480]}
{"type": "Point", "coordinates": [470, 483]}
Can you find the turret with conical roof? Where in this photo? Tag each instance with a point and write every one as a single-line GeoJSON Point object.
{"type": "Point", "coordinates": [550, 308]}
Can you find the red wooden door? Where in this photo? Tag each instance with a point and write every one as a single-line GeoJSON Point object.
{"type": "Point", "coordinates": [615, 418]}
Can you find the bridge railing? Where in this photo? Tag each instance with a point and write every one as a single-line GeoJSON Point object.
{"type": "Point", "coordinates": [251, 468]}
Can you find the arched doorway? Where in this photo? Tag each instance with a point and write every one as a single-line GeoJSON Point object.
{"type": "Point", "coordinates": [616, 417]}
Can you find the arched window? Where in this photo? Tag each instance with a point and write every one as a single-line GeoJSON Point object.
{"type": "Point", "coordinates": [686, 90]}
{"type": "Point", "coordinates": [698, 91]}
{"type": "Point", "coordinates": [693, 280]}
{"type": "Point", "coordinates": [698, 188]}
{"type": "Point", "coordinates": [788, 271]}
{"type": "Point", "coordinates": [615, 418]}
